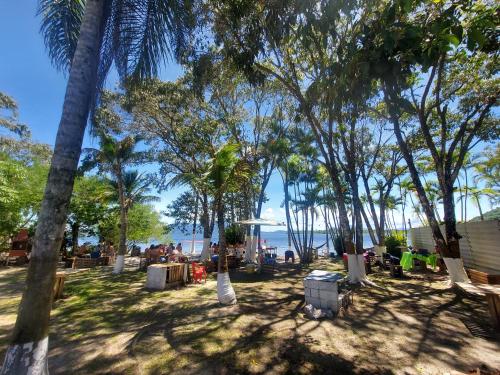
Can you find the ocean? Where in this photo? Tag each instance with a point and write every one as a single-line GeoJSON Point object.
{"type": "Point", "coordinates": [277, 239]}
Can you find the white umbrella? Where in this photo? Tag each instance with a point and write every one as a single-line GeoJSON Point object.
{"type": "Point", "coordinates": [261, 222]}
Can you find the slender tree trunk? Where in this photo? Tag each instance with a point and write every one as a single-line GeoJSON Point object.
{"type": "Point", "coordinates": [225, 291]}
{"type": "Point", "coordinates": [369, 226]}
{"type": "Point", "coordinates": [466, 195]}
{"type": "Point", "coordinates": [461, 201]}
{"type": "Point", "coordinates": [450, 223]}
{"type": "Point", "coordinates": [27, 352]}
{"type": "Point", "coordinates": [424, 201]}
{"type": "Point", "coordinates": [195, 221]}
{"type": "Point", "coordinates": [122, 246]}
{"type": "Point", "coordinates": [75, 229]}
{"type": "Point", "coordinates": [207, 232]}
{"type": "Point", "coordinates": [479, 207]}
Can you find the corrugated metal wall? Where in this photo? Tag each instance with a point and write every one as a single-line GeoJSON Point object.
{"type": "Point", "coordinates": [479, 247]}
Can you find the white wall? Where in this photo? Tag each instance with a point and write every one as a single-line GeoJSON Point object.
{"type": "Point", "coordinates": [479, 247]}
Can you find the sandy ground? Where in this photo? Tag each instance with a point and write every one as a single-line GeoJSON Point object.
{"type": "Point", "coordinates": [110, 324]}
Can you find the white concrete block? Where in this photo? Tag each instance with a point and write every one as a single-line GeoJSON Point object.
{"type": "Point", "coordinates": [156, 277]}
{"type": "Point", "coordinates": [314, 293]}
{"type": "Point", "coordinates": [325, 285]}
{"type": "Point", "coordinates": [328, 294]}
{"type": "Point", "coordinates": [307, 292]}
{"type": "Point", "coordinates": [315, 302]}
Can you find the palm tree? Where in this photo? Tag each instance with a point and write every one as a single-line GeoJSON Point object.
{"type": "Point", "coordinates": [112, 157]}
{"type": "Point", "coordinates": [84, 38]}
{"type": "Point", "coordinates": [132, 188]}
{"type": "Point", "coordinates": [226, 172]}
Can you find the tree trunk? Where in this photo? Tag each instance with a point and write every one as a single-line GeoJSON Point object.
{"type": "Point", "coordinates": [225, 291]}
{"type": "Point", "coordinates": [207, 232]}
{"type": "Point", "coordinates": [369, 226]}
{"type": "Point", "coordinates": [75, 229]}
{"type": "Point", "coordinates": [28, 348]}
{"type": "Point", "coordinates": [424, 201]}
{"type": "Point", "coordinates": [122, 247]}
{"type": "Point", "coordinates": [194, 224]}
{"type": "Point", "coordinates": [479, 208]}
{"type": "Point", "coordinates": [450, 223]}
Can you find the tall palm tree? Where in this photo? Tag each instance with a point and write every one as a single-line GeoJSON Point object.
{"type": "Point", "coordinates": [84, 38]}
{"type": "Point", "coordinates": [226, 172]}
{"type": "Point", "coordinates": [130, 188]}
{"type": "Point", "coordinates": [112, 157]}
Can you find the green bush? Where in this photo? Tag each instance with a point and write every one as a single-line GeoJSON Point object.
{"type": "Point", "coordinates": [235, 234]}
{"type": "Point", "coordinates": [392, 242]}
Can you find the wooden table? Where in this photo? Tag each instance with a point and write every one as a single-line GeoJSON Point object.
{"type": "Point", "coordinates": [492, 294]}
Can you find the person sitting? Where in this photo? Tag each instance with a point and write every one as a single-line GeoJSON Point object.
{"type": "Point", "coordinates": [178, 248]}
{"type": "Point", "coordinates": [170, 248]}
{"type": "Point", "coordinates": [216, 248]}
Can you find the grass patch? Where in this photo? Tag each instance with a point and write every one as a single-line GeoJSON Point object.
{"type": "Point", "coordinates": [111, 324]}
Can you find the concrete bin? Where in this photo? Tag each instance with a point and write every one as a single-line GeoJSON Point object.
{"type": "Point", "coordinates": [321, 290]}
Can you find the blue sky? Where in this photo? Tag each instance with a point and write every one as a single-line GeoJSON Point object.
{"type": "Point", "coordinates": [27, 75]}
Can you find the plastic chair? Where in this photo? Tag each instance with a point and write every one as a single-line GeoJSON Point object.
{"type": "Point", "coordinates": [199, 272]}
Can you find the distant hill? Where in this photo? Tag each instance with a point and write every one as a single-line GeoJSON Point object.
{"type": "Point", "coordinates": [490, 215]}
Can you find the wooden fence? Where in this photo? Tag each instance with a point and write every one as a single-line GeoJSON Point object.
{"type": "Point", "coordinates": [479, 247]}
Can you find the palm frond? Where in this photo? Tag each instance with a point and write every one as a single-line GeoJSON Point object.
{"type": "Point", "coordinates": [150, 32]}
{"type": "Point", "coordinates": [61, 21]}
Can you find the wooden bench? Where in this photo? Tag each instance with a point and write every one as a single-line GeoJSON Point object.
{"type": "Point", "coordinates": [18, 257]}
{"type": "Point", "coordinates": [490, 292]}
{"type": "Point", "coordinates": [482, 277]}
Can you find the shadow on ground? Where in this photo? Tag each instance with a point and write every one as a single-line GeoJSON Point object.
{"type": "Point", "coordinates": [111, 324]}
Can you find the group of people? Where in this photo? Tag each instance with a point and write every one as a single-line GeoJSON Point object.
{"type": "Point", "coordinates": [163, 253]}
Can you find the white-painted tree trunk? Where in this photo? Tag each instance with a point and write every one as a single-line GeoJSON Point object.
{"type": "Point", "coordinates": [456, 270]}
{"type": "Point", "coordinates": [28, 358]}
{"type": "Point", "coordinates": [225, 291]}
{"type": "Point", "coordinates": [379, 250]}
{"type": "Point", "coordinates": [119, 264]}
{"type": "Point", "coordinates": [205, 251]}
{"type": "Point", "coordinates": [356, 268]}
{"type": "Point", "coordinates": [192, 243]}
{"type": "Point", "coordinates": [250, 251]}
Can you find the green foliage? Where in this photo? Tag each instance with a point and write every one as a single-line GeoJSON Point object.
{"type": "Point", "coordinates": [90, 202]}
{"type": "Point", "coordinates": [155, 30]}
{"type": "Point", "coordinates": [21, 192]}
{"type": "Point", "coordinates": [393, 240]}
{"type": "Point", "coordinates": [490, 215]}
{"type": "Point", "coordinates": [145, 225]}
{"type": "Point", "coordinates": [182, 210]}
{"type": "Point", "coordinates": [235, 234]}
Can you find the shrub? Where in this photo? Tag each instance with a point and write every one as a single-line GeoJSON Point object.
{"type": "Point", "coordinates": [392, 242]}
{"type": "Point", "coordinates": [235, 234]}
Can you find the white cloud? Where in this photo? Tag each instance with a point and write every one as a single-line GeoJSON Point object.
{"type": "Point", "coordinates": [268, 214]}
